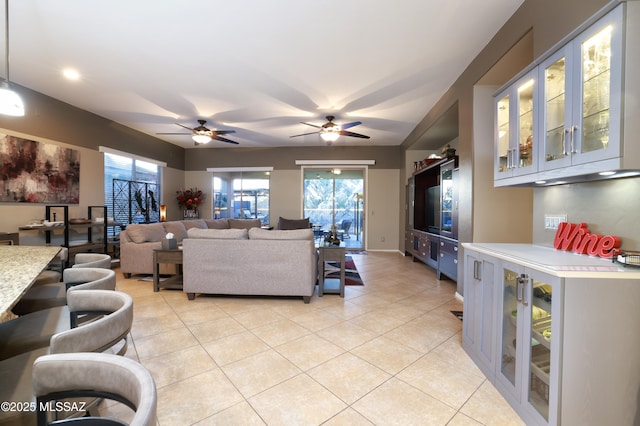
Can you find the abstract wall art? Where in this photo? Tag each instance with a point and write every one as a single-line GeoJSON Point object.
{"type": "Point", "coordinates": [37, 172]}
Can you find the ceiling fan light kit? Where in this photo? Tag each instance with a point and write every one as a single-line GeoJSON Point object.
{"type": "Point", "coordinates": [202, 135]}
{"type": "Point", "coordinates": [330, 131]}
{"type": "Point", "coordinates": [10, 101]}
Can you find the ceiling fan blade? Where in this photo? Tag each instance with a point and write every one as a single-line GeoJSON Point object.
{"type": "Point", "coordinates": [188, 128]}
{"type": "Point", "coordinates": [355, 135]}
{"type": "Point", "coordinates": [223, 132]}
{"type": "Point", "coordinates": [349, 125]}
{"type": "Point", "coordinates": [305, 134]}
{"type": "Point", "coordinates": [221, 139]}
{"type": "Point", "coordinates": [312, 125]}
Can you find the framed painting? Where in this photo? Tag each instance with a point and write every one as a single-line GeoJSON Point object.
{"type": "Point", "coordinates": [37, 172]}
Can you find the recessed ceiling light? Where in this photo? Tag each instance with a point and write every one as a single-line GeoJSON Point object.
{"type": "Point", "coordinates": [71, 74]}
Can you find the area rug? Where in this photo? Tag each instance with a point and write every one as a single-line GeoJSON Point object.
{"type": "Point", "coordinates": [351, 275]}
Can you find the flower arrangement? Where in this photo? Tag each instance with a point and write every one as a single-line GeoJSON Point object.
{"type": "Point", "coordinates": [189, 199]}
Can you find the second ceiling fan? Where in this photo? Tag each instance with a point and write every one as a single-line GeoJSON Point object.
{"type": "Point", "coordinates": [202, 135]}
{"type": "Point", "coordinates": [330, 131]}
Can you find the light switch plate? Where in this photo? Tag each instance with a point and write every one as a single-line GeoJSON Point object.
{"type": "Point", "coordinates": [552, 221]}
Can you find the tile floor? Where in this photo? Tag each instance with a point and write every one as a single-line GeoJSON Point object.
{"type": "Point", "coordinates": [389, 353]}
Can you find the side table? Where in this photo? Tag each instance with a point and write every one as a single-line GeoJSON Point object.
{"type": "Point", "coordinates": [330, 254]}
{"type": "Point", "coordinates": [167, 256]}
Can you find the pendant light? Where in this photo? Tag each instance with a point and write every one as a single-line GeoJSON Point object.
{"type": "Point", "coordinates": [10, 101]}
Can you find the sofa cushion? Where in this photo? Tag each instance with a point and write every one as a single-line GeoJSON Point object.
{"type": "Point", "coordinates": [287, 224]}
{"type": "Point", "coordinates": [289, 234]}
{"type": "Point", "coordinates": [218, 234]}
{"type": "Point", "coordinates": [142, 233]}
{"type": "Point", "coordinates": [217, 223]}
{"type": "Point", "coordinates": [244, 223]}
{"type": "Point", "coordinates": [195, 223]}
{"type": "Point", "coordinates": [177, 228]}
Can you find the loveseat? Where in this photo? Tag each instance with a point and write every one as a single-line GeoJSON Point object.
{"type": "Point", "coordinates": [137, 241]}
{"type": "Point", "coordinates": [255, 262]}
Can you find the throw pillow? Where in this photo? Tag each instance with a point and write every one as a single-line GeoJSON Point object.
{"type": "Point", "coordinates": [217, 223]}
{"type": "Point", "coordinates": [244, 223]}
{"type": "Point", "coordinates": [177, 228]}
{"type": "Point", "coordinates": [196, 223]}
{"type": "Point", "coordinates": [290, 234]}
{"type": "Point", "coordinates": [288, 224]}
{"type": "Point", "coordinates": [142, 233]}
{"type": "Point", "coordinates": [218, 234]}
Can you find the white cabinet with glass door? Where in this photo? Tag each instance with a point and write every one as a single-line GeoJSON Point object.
{"type": "Point", "coordinates": [580, 88]}
{"type": "Point", "coordinates": [528, 362]}
{"type": "Point", "coordinates": [515, 127]}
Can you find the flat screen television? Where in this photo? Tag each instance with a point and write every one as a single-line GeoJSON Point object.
{"type": "Point", "coordinates": [432, 209]}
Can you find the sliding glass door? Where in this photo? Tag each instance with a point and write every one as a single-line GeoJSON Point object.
{"type": "Point", "coordinates": [334, 197]}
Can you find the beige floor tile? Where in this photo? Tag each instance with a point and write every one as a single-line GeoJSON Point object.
{"type": "Point", "coordinates": [179, 365]}
{"type": "Point", "coordinates": [380, 355]}
{"type": "Point", "coordinates": [163, 343]}
{"type": "Point", "coordinates": [240, 414]}
{"type": "Point", "coordinates": [216, 329]}
{"type": "Point", "coordinates": [381, 406]}
{"type": "Point", "coordinates": [348, 377]}
{"type": "Point", "coordinates": [387, 355]}
{"type": "Point", "coordinates": [258, 318]}
{"type": "Point", "coordinates": [441, 380]}
{"type": "Point", "coordinates": [316, 319]}
{"type": "Point", "coordinates": [235, 347]}
{"type": "Point", "coordinates": [348, 417]}
{"type": "Point", "coordinates": [489, 408]}
{"type": "Point", "coordinates": [256, 373]}
{"type": "Point", "coordinates": [297, 401]}
{"type": "Point", "coordinates": [196, 398]}
{"type": "Point", "coordinates": [280, 332]}
{"type": "Point", "coordinates": [148, 326]}
{"type": "Point", "coordinates": [347, 335]}
{"type": "Point", "coordinates": [309, 351]}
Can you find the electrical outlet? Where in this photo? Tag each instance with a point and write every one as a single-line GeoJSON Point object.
{"type": "Point", "coordinates": [552, 221]}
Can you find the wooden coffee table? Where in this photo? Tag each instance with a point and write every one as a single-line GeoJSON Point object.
{"type": "Point", "coordinates": [174, 257]}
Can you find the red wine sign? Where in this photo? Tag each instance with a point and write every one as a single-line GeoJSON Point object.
{"type": "Point", "coordinates": [577, 238]}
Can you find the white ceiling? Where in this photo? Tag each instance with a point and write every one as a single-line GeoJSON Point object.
{"type": "Point", "coordinates": [257, 67]}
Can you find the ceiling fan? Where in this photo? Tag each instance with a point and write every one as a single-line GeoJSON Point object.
{"type": "Point", "coordinates": [330, 131]}
{"type": "Point", "coordinates": [202, 135]}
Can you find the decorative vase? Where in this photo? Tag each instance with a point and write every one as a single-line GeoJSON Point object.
{"type": "Point", "coordinates": [190, 214]}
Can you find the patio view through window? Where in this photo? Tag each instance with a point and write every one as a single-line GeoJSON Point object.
{"type": "Point", "coordinates": [241, 195]}
{"type": "Point", "coordinates": [335, 197]}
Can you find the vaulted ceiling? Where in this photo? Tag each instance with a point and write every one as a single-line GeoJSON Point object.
{"type": "Point", "coordinates": [256, 67]}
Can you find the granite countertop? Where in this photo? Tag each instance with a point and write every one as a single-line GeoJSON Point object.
{"type": "Point", "coordinates": [19, 267]}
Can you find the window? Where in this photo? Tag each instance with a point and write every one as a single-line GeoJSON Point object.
{"type": "Point", "coordinates": [241, 194]}
{"type": "Point", "coordinates": [131, 189]}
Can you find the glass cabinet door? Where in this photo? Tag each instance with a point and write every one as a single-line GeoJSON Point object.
{"type": "Point", "coordinates": [581, 97]}
{"type": "Point", "coordinates": [503, 137]}
{"type": "Point", "coordinates": [540, 346]}
{"type": "Point", "coordinates": [446, 203]}
{"type": "Point", "coordinates": [516, 122]}
{"type": "Point", "coordinates": [596, 81]}
{"type": "Point", "coordinates": [554, 82]}
{"type": "Point", "coordinates": [525, 158]}
{"type": "Point", "coordinates": [511, 315]}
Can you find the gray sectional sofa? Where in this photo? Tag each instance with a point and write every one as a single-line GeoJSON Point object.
{"type": "Point", "coordinates": [250, 262]}
{"type": "Point", "coordinates": [138, 240]}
